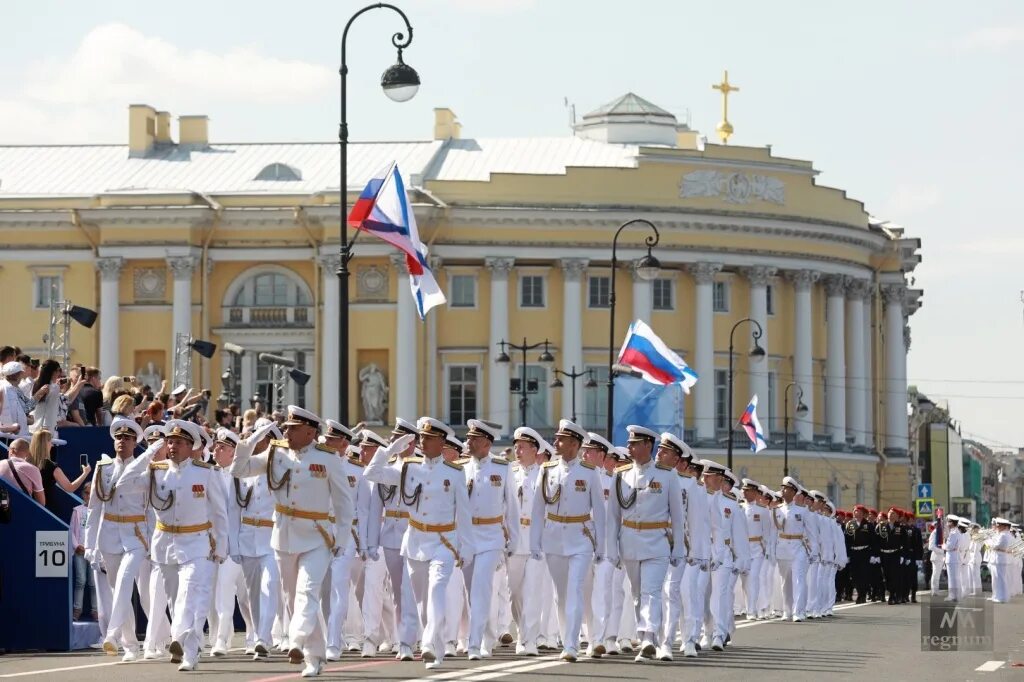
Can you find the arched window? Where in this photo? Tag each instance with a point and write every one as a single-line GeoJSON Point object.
{"type": "Point", "coordinates": [271, 290]}
{"type": "Point", "coordinates": [279, 172]}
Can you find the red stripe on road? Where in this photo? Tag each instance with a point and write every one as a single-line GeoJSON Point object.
{"type": "Point", "coordinates": [354, 666]}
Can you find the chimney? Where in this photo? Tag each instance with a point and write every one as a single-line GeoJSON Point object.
{"type": "Point", "coordinates": [163, 128]}
{"type": "Point", "coordinates": [446, 126]}
{"type": "Point", "coordinates": [686, 138]}
{"type": "Point", "coordinates": [141, 129]}
{"type": "Point", "coordinates": [194, 131]}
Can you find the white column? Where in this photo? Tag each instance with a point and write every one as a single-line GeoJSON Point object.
{"type": "Point", "coordinates": [571, 352]}
{"type": "Point", "coordinates": [835, 361]}
{"type": "Point", "coordinates": [704, 351]}
{"type": "Point", "coordinates": [803, 371]}
{"type": "Point", "coordinates": [643, 295]}
{"type": "Point", "coordinates": [110, 323]}
{"type": "Point", "coordinates": [432, 378]}
{"type": "Point", "coordinates": [895, 371]}
{"type": "Point", "coordinates": [181, 310]}
{"type": "Point", "coordinates": [856, 401]}
{"type": "Point", "coordinates": [758, 368]}
{"type": "Point", "coordinates": [329, 336]}
{"type": "Point", "coordinates": [869, 372]}
{"type": "Point", "coordinates": [498, 396]}
{"type": "Point", "coordinates": [405, 390]}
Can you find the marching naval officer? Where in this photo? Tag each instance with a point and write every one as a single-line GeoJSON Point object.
{"type": "Point", "coordinates": [791, 551]}
{"type": "Point", "coordinates": [567, 526]}
{"type": "Point", "coordinates": [308, 483]}
{"type": "Point", "coordinates": [526, 574]}
{"type": "Point", "coordinates": [646, 529]}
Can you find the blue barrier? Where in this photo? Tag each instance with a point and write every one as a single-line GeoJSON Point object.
{"type": "Point", "coordinates": [35, 613]}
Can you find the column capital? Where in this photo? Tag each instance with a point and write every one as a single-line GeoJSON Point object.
{"type": "Point", "coordinates": [499, 266]}
{"type": "Point", "coordinates": [835, 285]}
{"type": "Point", "coordinates": [110, 268]}
{"type": "Point", "coordinates": [704, 272]}
{"type": "Point", "coordinates": [399, 262]}
{"type": "Point", "coordinates": [573, 268]}
{"type": "Point", "coordinates": [894, 293]}
{"type": "Point", "coordinates": [759, 274]}
{"type": "Point", "coordinates": [329, 262]}
{"type": "Point", "coordinates": [803, 279]}
{"type": "Point", "coordinates": [856, 289]}
{"type": "Point", "coordinates": [182, 266]}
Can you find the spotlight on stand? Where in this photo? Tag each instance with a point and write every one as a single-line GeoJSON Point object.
{"type": "Point", "coordinates": [204, 348]}
{"type": "Point", "coordinates": [298, 376]}
{"type": "Point", "coordinates": [83, 316]}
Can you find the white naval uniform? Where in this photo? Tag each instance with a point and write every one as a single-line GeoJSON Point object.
{"type": "Point", "coordinates": [118, 536]}
{"type": "Point", "coordinates": [346, 566]}
{"type": "Point", "coordinates": [758, 524]}
{"type": "Point", "coordinates": [570, 532]}
{"type": "Point", "coordinates": [695, 538]}
{"type": "Point", "coordinates": [769, 567]}
{"type": "Point", "coordinates": [647, 536]}
{"type": "Point", "coordinates": [704, 616]}
{"type": "Point", "coordinates": [525, 574]}
{"type": "Point", "coordinates": [704, 534]}
{"type": "Point", "coordinates": [792, 556]}
{"type": "Point", "coordinates": [313, 485]}
{"type": "Point", "coordinates": [600, 626]}
{"type": "Point", "coordinates": [812, 581]}
{"type": "Point", "coordinates": [434, 495]}
{"type": "Point", "coordinates": [974, 568]}
{"type": "Point", "coordinates": [229, 585]}
{"type": "Point", "coordinates": [251, 517]}
{"type": "Point", "coordinates": [405, 622]}
{"type": "Point", "coordinates": [817, 578]}
{"type": "Point", "coordinates": [736, 561]}
{"type": "Point", "coordinates": [953, 545]}
{"type": "Point", "coordinates": [494, 510]}
{"type": "Point", "coordinates": [378, 612]}
{"type": "Point", "coordinates": [937, 556]}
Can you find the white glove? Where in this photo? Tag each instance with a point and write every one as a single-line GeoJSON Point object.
{"type": "Point", "coordinates": [336, 550]}
{"type": "Point", "coordinates": [704, 566]}
{"type": "Point", "coordinates": [673, 562]}
{"type": "Point", "coordinates": [400, 444]}
{"type": "Point", "coordinates": [714, 565]}
{"type": "Point", "coordinates": [373, 554]}
{"type": "Point", "coordinates": [260, 434]}
{"type": "Point", "coordinates": [598, 559]}
{"type": "Point", "coordinates": [536, 556]}
{"type": "Point", "coordinates": [218, 559]}
{"type": "Point", "coordinates": [362, 555]}
{"type": "Point", "coordinates": [237, 558]}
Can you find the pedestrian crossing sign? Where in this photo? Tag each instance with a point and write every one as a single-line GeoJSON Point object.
{"type": "Point", "coordinates": [924, 508]}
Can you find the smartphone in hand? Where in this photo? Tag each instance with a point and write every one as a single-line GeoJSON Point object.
{"type": "Point", "coordinates": [83, 459]}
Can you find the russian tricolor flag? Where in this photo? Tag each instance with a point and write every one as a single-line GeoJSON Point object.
{"type": "Point", "coordinates": [750, 424]}
{"type": "Point", "coordinates": [656, 362]}
{"type": "Point", "coordinates": [383, 210]}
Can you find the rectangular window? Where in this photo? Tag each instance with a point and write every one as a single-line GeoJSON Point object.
{"type": "Point", "coordinates": [594, 403]}
{"type": "Point", "coordinates": [463, 291]}
{"type": "Point", "coordinates": [45, 287]}
{"type": "Point", "coordinates": [721, 399]}
{"type": "Point", "coordinates": [531, 291]}
{"type": "Point", "coordinates": [720, 298]}
{"type": "Point", "coordinates": [663, 294]}
{"type": "Point", "coordinates": [599, 292]}
{"type": "Point", "coordinates": [462, 393]}
{"type": "Point", "coordinates": [769, 295]}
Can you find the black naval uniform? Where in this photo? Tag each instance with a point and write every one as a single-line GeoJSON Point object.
{"type": "Point", "coordinates": [876, 576]}
{"type": "Point", "coordinates": [860, 543]}
{"type": "Point", "coordinates": [915, 553]}
{"type": "Point", "coordinates": [891, 546]}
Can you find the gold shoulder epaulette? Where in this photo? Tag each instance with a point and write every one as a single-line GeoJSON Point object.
{"type": "Point", "coordinates": [624, 467]}
{"type": "Point", "coordinates": [201, 463]}
{"type": "Point", "coordinates": [462, 460]}
{"type": "Point", "coordinates": [323, 447]}
{"type": "Point", "coordinates": [663, 467]}
{"type": "Point", "coordinates": [279, 443]}
{"type": "Point", "coordinates": [730, 496]}
{"type": "Point", "coordinates": [585, 465]}
{"type": "Point", "coordinates": [499, 460]}
{"type": "Point", "coordinates": [159, 465]}
{"type": "Point", "coordinates": [453, 465]}
{"type": "Point", "coordinates": [550, 464]}
{"type": "Point", "coordinates": [413, 460]}
{"type": "Point", "coordinates": [104, 463]}
{"type": "Point", "coordinates": [353, 460]}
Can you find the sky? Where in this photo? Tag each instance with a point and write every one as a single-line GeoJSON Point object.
{"type": "Point", "coordinates": [911, 107]}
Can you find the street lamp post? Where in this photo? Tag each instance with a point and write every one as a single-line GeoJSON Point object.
{"type": "Point", "coordinates": [647, 269]}
{"type": "Point", "coordinates": [801, 411]}
{"type": "Point", "coordinates": [545, 357]}
{"type": "Point", "coordinates": [572, 375]}
{"type": "Point", "coordinates": [400, 82]}
{"type": "Point", "coordinates": [756, 352]}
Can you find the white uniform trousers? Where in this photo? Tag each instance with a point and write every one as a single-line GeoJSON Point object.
{"type": "Point", "coordinates": [568, 574]}
{"type": "Point", "coordinates": [548, 610]}
{"type": "Point", "coordinates": [501, 602]}
{"type": "Point", "coordinates": [189, 588]}
{"type": "Point", "coordinates": [936, 575]}
{"type": "Point", "coordinates": [647, 582]}
{"type": "Point", "coordinates": [122, 572]}
{"type": "Point", "coordinates": [104, 595]}
{"type": "Point", "coordinates": [456, 620]}
{"type": "Point", "coordinates": [766, 577]}
{"type": "Point", "coordinates": [723, 585]}
{"type": "Point", "coordinates": [525, 576]}
{"type": "Point", "coordinates": [158, 626]}
{"type": "Point", "coordinates": [620, 619]}
{"type": "Point", "coordinates": [953, 576]}
{"type": "Point", "coordinates": [302, 576]}
{"type": "Point", "coordinates": [674, 603]}
{"type": "Point", "coordinates": [794, 590]}
{"type": "Point", "coordinates": [1000, 588]}
{"type": "Point", "coordinates": [346, 570]}
{"type": "Point", "coordinates": [751, 583]}
{"type": "Point", "coordinates": [695, 587]}
{"type": "Point", "coordinates": [599, 622]}
{"type": "Point", "coordinates": [479, 574]}
{"type": "Point", "coordinates": [263, 586]}
{"type": "Point", "coordinates": [229, 585]}
{"type": "Point", "coordinates": [407, 624]}
{"type": "Point", "coordinates": [974, 568]}
{"type": "Point", "coordinates": [378, 606]}
{"type": "Point", "coordinates": [811, 581]}
{"type": "Point", "coordinates": [429, 582]}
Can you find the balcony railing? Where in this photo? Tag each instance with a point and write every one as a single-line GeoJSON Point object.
{"type": "Point", "coordinates": [267, 317]}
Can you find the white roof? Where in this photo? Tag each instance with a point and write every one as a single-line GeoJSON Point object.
{"type": "Point", "coordinates": [73, 170]}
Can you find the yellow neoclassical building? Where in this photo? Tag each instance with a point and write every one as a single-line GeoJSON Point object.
{"type": "Point", "coordinates": [238, 243]}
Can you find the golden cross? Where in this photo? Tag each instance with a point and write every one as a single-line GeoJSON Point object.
{"type": "Point", "coordinates": [725, 128]}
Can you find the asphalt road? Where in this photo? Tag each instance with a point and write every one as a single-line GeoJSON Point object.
{"type": "Point", "coordinates": [867, 642]}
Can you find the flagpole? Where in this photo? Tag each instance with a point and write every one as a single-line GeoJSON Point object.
{"type": "Point", "coordinates": [756, 351]}
{"type": "Point", "coordinates": [647, 269]}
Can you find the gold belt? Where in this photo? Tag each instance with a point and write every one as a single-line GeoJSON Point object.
{"type": "Point", "coordinates": [432, 527]}
{"type": "Point", "coordinates": [301, 514]}
{"type": "Point", "coordinates": [524, 522]}
{"type": "Point", "coordinates": [140, 518]}
{"type": "Point", "coordinates": [569, 519]}
{"type": "Point", "coordinates": [196, 528]}
{"type": "Point", "coordinates": [756, 538]}
{"type": "Point", "coordinates": [646, 525]}
{"type": "Point", "coordinates": [487, 520]}
{"type": "Point", "coordinates": [396, 514]}
{"type": "Point", "coordinates": [728, 541]}
{"type": "Point", "coordinates": [786, 536]}
{"type": "Point", "coordinates": [259, 523]}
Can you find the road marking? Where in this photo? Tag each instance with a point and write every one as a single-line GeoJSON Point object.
{"type": "Point", "coordinates": [355, 666]}
{"type": "Point", "coordinates": [508, 666]}
{"type": "Point", "coordinates": [60, 670]}
{"type": "Point", "coordinates": [990, 666]}
{"type": "Point", "coordinates": [512, 671]}
{"type": "Point", "coordinates": [752, 623]}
